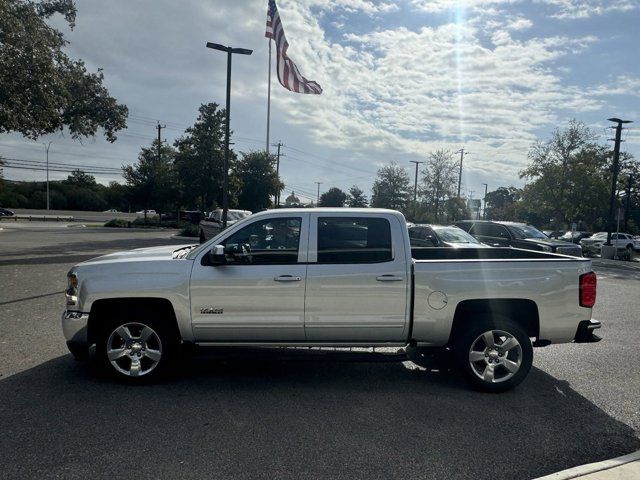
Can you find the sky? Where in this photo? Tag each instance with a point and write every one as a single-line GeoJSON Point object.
{"type": "Point", "coordinates": [400, 80]}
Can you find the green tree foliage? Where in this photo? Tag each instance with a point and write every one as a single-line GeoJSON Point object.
{"type": "Point", "coordinates": [456, 209]}
{"type": "Point", "coordinates": [152, 181]}
{"type": "Point", "coordinates": [501, 204]}
{"type": "Point", "coordinates": [41, 89]}
{"type": "Point", "coordinates": [357, 198]}
{"type": "Point", "coordinates": [200, 160]}
{"type": "Point", "coordinates": [569, 176]}
{"type": "Point", "coordinates": [439, 181]}
{"type": "Point", "coordinates": [334, 197]}
{"type": "Point", "coordinates": [391, 188]}
{"type": "Point", "coordinates": [258, 181]}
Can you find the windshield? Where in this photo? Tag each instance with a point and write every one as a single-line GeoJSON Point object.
{"type": "Point", "coordinates": [454, 235]}
{"type": "Point", "coordinates": [527, 231]}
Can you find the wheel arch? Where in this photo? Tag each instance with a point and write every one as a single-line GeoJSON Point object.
{"type": "Point", "coordinates": [523, 312]}
{"type": "Point", "coordinates": [102, 310]}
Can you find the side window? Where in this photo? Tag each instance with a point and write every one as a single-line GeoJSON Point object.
{"type": "Point", "coordinates": [354, 240]}
{"type": "Point", "coordinates": [490, 230]}
{"type": "Point", "coordinates": [274, 241]}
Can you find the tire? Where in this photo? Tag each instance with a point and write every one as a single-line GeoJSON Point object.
{"type": "Point", "coordinates": [202, 237]}
{"type": "Point", "coordinates": [493, 353]}
{"type": "Point", "coordinates": [137, 350]}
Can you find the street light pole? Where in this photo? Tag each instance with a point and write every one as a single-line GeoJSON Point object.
{"type": "Point", "coordinates": [614, 173]}
{"type": "Point", "coordinates": [46, 146]}
{"type": "Point", "coordinates": [461, 152]}
{"type": "Point", "coordinates": [415, 185]}
{"type": "Point", "coordinates": [225, 178]}
{"type": "Point", "coordinates": [318, 200]}
{"type": "Point", "coordinates": [484, 209]}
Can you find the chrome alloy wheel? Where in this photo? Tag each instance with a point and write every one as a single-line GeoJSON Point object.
{"type": "Point", "coordinates": [134, 349]}
{"type": "Point", "coordinates": [495, 356]}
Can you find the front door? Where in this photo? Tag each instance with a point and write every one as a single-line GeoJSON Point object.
{"type": "Point", "coordinates": [357, 279]}
{"type": "Point", "coordinates": [259, 295]}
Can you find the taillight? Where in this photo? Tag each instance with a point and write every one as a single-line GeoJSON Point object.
{"type": "Point", "coordinates": [588, 289]}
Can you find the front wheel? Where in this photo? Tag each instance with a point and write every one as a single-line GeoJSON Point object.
{"type": "Point", "coordinates": [136, 350]}
{"type": "Point", "coordinates": [495, 355]}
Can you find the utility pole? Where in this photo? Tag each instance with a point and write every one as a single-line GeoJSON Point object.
{"type": "Point", "coordinates": [225, 182]}
{"type": "Point", "coordinates": [484, 209]}
{"type": "Point", "coordinates": [461, 152]}
{"type": "Point", "coordinates": [614, 173]}
{"type": "Point", "coordinates": [627, 206]}
{"type": "Point", "coordinates": [318, 183]}
{"type": "Point", "coordinates": [415, 185]}
{"type": "Point", "coordinates": [276, 200]}
{"type": "Point", "coordinates": [159, 128]}
{"type": "Point", "coordinates": [46, 146]}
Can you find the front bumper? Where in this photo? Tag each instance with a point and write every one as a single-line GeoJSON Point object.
{"type": "Point", "coordinates": [585, 334]}
{"type": "Point", "coordinates": [74, 327]}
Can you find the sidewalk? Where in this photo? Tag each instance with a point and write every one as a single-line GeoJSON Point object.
{"type": "Point", "coordinates": [626, 467]}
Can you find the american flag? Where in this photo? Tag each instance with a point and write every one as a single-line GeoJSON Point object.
{"type": "Point", "coordinates": [288, 74]}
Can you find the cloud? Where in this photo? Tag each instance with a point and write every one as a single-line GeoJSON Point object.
{"type": "Point", "coordinates": [581, 9]}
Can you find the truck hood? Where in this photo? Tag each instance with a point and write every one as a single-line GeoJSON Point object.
{"type": "Point", "coordinates": [166, 252]}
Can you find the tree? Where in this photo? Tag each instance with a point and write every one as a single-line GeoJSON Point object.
{"type": "Point", "coordinates": [357, 198]}
{"type": "Point", "coordinates": [456, 209]}
{"type": "Point", "coordinates": [391, 188]}
{"type": "Point", "coordinates": [200, 160]}
{"type": "Point", "coordinates": [79, 178]}
{"type": "Point", "coordinates": [570, 178]}
{"type": "Point", "coordinates": [334, 197]}
{"type": "Point", "coordinates": [152, 180]}
{"type": "Point", "coordinates": [41, 89]}
{"type": "Point", "coordinates": [258, 180]}
{"type": "Point", "coordinates": [501, 203]}
{"type": "Point", "coordinates": [439, 181]}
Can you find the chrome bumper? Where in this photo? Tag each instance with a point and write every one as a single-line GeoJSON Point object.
{"type": "Point", "coordinates": [585, 334]}
{"type": "Point", "coordinates": [74, 327]}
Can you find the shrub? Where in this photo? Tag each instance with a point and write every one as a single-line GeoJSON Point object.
{"type": "Point", "coordinates": [117, 223]}
{"type": "Point", "coordinates": [190, 231]}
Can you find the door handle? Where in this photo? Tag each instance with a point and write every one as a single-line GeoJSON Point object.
{"type": "Point", "coordinates": [287, 278]}
{"type": "Point", "coordinates": [389, 278]}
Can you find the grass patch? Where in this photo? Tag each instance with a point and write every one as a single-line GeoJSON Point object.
{"type": "Point", "coordinates": [118, 223]}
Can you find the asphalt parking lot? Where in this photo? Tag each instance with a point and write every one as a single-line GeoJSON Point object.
{"type": "Point", "coordinates": [253, 415]}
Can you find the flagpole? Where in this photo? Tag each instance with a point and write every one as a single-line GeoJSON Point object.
{"type": "Point", "coordinates": [269, 98]}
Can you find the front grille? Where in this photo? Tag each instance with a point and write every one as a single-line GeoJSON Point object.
{"type": "Point", "coordinates": [570, 250]}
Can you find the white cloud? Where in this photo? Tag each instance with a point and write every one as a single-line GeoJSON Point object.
{"type": "Point", "coordinates": [581, 9]}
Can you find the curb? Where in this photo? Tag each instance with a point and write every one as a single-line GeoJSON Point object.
{"type": "Point", "coordinates": [633, 265]}
{"type": "Point", "coordinates": [590, 468]}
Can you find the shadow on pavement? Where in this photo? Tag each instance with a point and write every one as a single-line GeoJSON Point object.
{"type": "Point", "coordinates": [268, 416]}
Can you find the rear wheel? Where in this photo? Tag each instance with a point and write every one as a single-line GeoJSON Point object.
{"type": "Point", "coordinates": [495, 355]}
{"type": "Point", "coordinates": [137, 350]}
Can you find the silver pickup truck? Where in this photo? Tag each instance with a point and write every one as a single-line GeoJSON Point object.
{"type": "Point", "coordinates": [329, 277]}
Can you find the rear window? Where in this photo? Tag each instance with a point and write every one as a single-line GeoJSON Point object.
{"type": "Point", "coordinates": [354, 240]}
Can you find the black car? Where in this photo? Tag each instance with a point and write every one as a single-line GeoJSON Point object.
{"type": "Point", "coordinates": [517, 235]}
{"type": "Point", "coordinates": [5, 213]}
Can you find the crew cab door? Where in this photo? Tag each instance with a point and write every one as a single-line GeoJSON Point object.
{"type": "Point", "coordinates": [259, 295]}
{"type": "Point", "coordinates": [357, 279]}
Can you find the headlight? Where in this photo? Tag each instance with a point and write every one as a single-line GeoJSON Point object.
{"type": "Point", "coordinates": [72, 288]}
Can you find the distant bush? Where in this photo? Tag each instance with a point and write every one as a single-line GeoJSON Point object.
{"type": "Point", "coordinates": [190, 231]}
{"type": "Point", "coordinates": [117, 223]}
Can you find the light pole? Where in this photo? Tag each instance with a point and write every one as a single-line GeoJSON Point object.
{"type": "Point", "coordinates": [461, 152]}
{"type": "Point", "coordinates": [46, 146]}
{"type": "Point", "coordinates": [415, 185]}
{"type": "Point", "coordinates": [614, 173]}
{"type": "Point", "coordinates": [318, 200]}
{"type": "Point", "coordinates": [484, 210]}
{"type": "Point", "coordinates": [225, 182]}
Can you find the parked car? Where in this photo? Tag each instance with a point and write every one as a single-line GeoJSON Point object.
{"type": "Point", "coordinates": [147, 213]}
{"type": "Point", "coordinates": [6, 213]}
{"type": "Point", "coordinates": [593, 245]}
{"type": "Point", "coordinates": [422, 235]}
{"type": "Point", "coordinates": [111, 210]}
{"type": "Point", "coordinates": [518, 235]}
{"type": "Point", "coordinates": [553, 233]}
{"type": "Point", "coordinates": [212, 224]}
{"type": "Point", "coordinates": [574, 237]}
{"type": "Point", "coordinates": [325, 277]}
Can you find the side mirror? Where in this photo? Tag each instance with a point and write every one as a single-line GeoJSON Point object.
{"type": "Point", "coordinates": [217, 256]}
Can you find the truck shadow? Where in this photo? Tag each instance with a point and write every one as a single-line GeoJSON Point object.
{"type": "Point", "coordinates": [265, 416]}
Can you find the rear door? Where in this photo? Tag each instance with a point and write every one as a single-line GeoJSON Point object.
{"type": "Point", "coordinates": [357, 279]}
{"type": "Point", "coordinates": [491, 234]}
